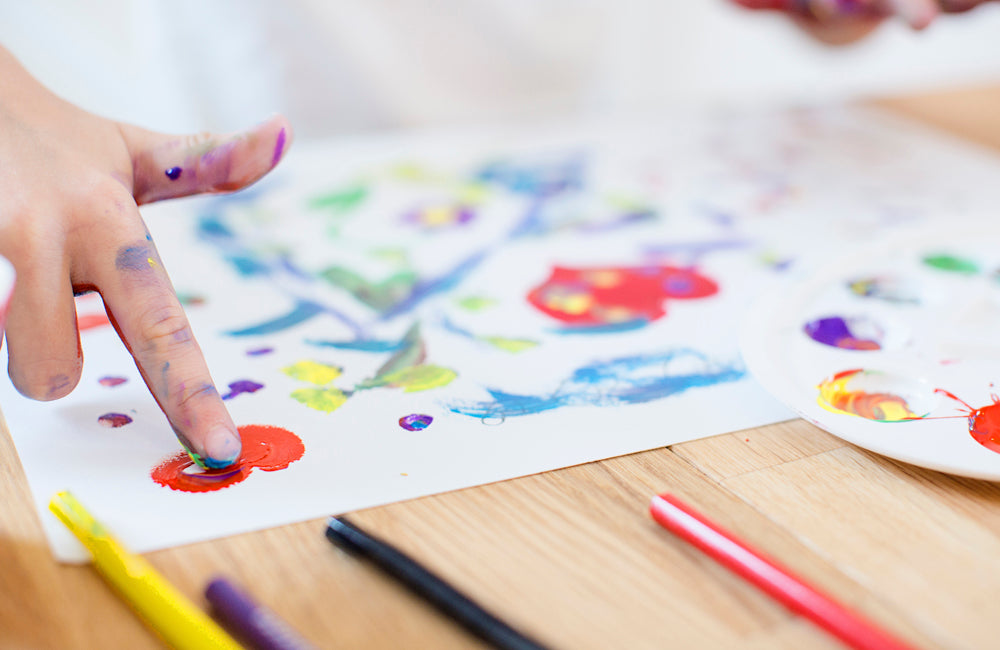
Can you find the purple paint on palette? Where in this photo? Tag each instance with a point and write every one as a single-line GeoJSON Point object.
{"type": "Point", "coordinates": [258, 352]}
{"type": "Point", "coordinates": [111, 382]}
{"type": "Point", "coordinates": [241, 386]}
{"type": "Point", "coordinates": [836, 332]}
{"type": "Point", "coordinates": [174, 173]}
{"type": "Point", "coordinates": [415, 421]}
{"type": "Point", "coordinates": [114, 420]}
{"type": "Point", "coordinates": [279, 148]}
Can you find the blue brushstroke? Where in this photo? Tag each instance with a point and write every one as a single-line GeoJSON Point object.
{"type": "Point", "coordinates": [609, 328]}
{"type": "Point", "coordinates": [360, 345]}
{"type": "Point", "coordinates": [618, 382]}
{"type": "Point", "coordinates": [697, 248]}
{"type": "Point", "coordinates": [425, 289]}
{"type": "Point", "coordinates": [248, 265]}
{"type": "Point", "coordinates": [212, 228]}
{"type": "Point", "coordinates": [301, 312]}
{"type": "Point", "coordinates": [538, 180]}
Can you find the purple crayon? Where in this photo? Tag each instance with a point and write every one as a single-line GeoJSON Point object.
{"type": "Point", "coordinates": [255, 625]}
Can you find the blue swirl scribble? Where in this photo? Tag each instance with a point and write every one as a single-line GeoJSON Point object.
{"type": "Point", "coordinates": [618, 382]}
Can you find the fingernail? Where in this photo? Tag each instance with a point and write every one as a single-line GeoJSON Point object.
{"type": "Point", "coordinates": [222, 447]}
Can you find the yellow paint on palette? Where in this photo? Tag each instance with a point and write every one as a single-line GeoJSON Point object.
{"type": "Point", "coordinates": [326, 400]}
{"type": "Point", "coordinates": [416, 378]}
{"type": "Point", "coordinates": [313, 372]}
{"type": "Point", "coordinates": [837, 397]}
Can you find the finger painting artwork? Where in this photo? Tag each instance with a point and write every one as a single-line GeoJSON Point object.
{"type": "Point", "coordinates": [395, 316]}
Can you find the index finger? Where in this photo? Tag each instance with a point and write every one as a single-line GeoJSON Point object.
{"type": "Point", "coordinates": [151, 322]}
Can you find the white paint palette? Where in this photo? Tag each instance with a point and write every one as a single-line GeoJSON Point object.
{"type": "Point", "coordinates": [893, 346]}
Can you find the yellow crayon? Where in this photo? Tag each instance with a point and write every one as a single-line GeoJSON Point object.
{"type": "Point", "coordinates": [167, 611]}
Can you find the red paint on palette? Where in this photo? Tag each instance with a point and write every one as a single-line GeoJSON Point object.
{"type": "Point", "coordinates": [984, 425]}
{"type": "Point", "coordinates": [613, 295]}
{"type": "Point", "coordinates": [267, 448]}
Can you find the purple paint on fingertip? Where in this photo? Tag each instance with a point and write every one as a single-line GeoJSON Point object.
{"type": "Point", "coordinates": [174, 173]}
{"type": "Point", "coordinates": [279, 148]}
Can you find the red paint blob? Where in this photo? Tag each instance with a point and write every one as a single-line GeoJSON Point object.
{"type": "Point", "coordinates": [264, 447]}
{"type": "Point", "coordinates": [984, 425]}
{"type": "Point", "coordinates": [614, 295]}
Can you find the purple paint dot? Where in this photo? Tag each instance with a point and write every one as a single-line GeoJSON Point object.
{"type": "Point", "coordinates": [114, 420]}
{"type": "Point", "coordinates": [174, 173]}
{"type": "Point", "coordinates": [241, 386]}
{"type": "Point", "coordinates": [258, 352]}
{"type": "Point", "coordinates": [415, 421]}
{"type": "Point", "coordinates": [111, 382]}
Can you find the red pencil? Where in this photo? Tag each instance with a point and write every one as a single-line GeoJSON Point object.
{"type": "Point", "coordinates": [773, 579]}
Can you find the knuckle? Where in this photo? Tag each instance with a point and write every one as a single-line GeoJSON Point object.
{"type": "Point", "coordinates": [193, 393]}
{"type": "Point", "coordinates": [163, 330]}
{"type": "Point", "coordinates": [102, 196]}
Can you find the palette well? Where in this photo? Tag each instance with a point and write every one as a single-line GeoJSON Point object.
{"type": "Point", "coordinates": [893, 346]}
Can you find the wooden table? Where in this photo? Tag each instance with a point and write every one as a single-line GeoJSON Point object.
{"type": "Point", "coordinates": [572, 556]}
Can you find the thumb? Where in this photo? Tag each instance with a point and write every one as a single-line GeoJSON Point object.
{"type": "Point", "coordinates": [171, 166]}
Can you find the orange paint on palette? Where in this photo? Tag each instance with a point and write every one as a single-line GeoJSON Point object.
{"type": "Point", "coordinates": [267, 448]}
{"type": "Point", "coordinates": [835, 394]}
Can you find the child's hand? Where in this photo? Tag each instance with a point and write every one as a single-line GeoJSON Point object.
{"type": "Point", "coordinates": [843, 21]}
{"type": "Point", "coordinates": [70, 183]}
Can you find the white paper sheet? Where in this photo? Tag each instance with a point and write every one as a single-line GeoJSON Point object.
{"type": "Point", "coordinates": [732, 200]}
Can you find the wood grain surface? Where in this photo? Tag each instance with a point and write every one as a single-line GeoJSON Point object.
{"type": "Point", "coordinates": [573, 558]}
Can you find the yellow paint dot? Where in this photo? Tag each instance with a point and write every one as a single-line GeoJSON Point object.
{"type": "Point", "coordinates": [151, 261]}
{"type": "Point", "coordinates": [313, 372]}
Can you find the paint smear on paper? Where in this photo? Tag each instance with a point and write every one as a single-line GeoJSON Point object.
{"type": "Point", "coordinates": [112, 381]}
{"type": "Point", "coordinates": [259, 352]}
{"type": "Point", "coordinates": [313, 372]}
{"type": "Point", "coordinates": [267, 448]}
{"type": "Point", "coordinates": [952, 264]}
{"type": "Point", "coordinates": [619, 382]}
{"type": "Point", "coordinates": [475, 303]}
{"type": "Point", "coordinates": [325, 400]}
{"type": "Point", "coordinates": [588, 297]}
{"type": "Point", "coordinates": [838, 332]}
{"type": "Point", "coordinates": [415, 421]}
{"type": "Point", "coordinates": [836, 395]}
{"type": "Point", "coordinates": [413, 378]}
{"type": "Point", "coordinates": [241, 386]}
{"type": "Point", "coordinates": [341, 200]}
{"type": "Point", "coordinates": [440, 216]}
{"type": "Point", "coordinates": [114, 420]}
{"type": "Point", "coordinates": [379, 295]}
